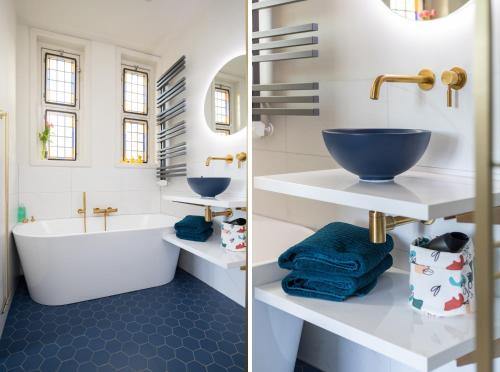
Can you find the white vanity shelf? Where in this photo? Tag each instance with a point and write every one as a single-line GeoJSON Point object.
{"type": "Point", "coordinates": [414, 194]}
{"type": "Point", "coordinates": [384, 322]}
{"type": "Point", "coordinates": [225, 200]}
{"type": "Point", "coordinates": [210, 250]}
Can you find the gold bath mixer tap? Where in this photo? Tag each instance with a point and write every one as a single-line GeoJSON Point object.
{"type": "Point", "coordinates": [105, 212]}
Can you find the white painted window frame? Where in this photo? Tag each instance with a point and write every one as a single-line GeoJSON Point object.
{"type": "Point", "coordinates": [146, 63]}
{"type": "Point", "coordinates": [40, 39]}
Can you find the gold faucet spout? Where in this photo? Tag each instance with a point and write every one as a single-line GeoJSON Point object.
{"type": "Point", "coordinates": [228, 159]}
{"type": "Point", "coordinates": [425, 80]}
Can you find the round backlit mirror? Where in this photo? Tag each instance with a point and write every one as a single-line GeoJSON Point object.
{"type": "Point", "coordinates": [424, 10]}
{"type": "Point", "coordinates": [226, 100]}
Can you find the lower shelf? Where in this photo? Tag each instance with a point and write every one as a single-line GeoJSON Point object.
{"type": "Point", "coordinates": [384, 322]}
{"type": "Point", "coordinates": [210, 250]}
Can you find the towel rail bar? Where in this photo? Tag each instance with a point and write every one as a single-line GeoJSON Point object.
{"type": "Point", "coordinates": [285, 99]}
{"type": "Point", "coordinates": [286, 111]}
{"type": "Point", "coordinates": [288, 43]}
{"type": "Point", "coordinates": [264, 4]}
{"type": "Point", "coordinates": [283, 31]}
{"type": "Point", "coordinates": [286, 56]}
{"type": "Point", "coordinates": [171, 72]}
{"type": "Point", "coordinates": [285, 86]}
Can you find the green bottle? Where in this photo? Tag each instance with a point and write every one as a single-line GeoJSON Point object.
{"type": "Point", "coordinates": [21, 213]}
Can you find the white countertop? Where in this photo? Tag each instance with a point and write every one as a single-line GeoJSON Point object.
{"type": "Point", "coordinates": [211, 250]}
{"type": "Point", "coordinates": [224, 200]}
{"type": "Point", "coordinates": [384, 322]}
{"type": "Point", "coordinates": [414, 194]}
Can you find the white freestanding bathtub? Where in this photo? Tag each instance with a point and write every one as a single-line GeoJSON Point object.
{"type": "Point", "coordinates": [276, 334]}
{"type": "Point", "coordinates": [63, 265]}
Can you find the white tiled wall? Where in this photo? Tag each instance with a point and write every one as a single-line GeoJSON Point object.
{"type": "Point", "coordinates": [359, 40]}
{"type": "Point", "coordinates": [8, 104]}
{"type": "Point", "coordinates": [56, 192]}
{"type": "Point", "coordinates": [208, 46]}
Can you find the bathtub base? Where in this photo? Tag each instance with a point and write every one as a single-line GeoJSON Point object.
{"type": "Point", "coordinates": [276, 339]}
{"type": "Point", "coordinates": [75, 268]}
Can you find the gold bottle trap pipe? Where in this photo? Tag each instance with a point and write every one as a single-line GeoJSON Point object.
{"type": "Point", "coordinates": [379, 224]}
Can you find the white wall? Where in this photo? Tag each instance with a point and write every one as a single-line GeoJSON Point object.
{"type": "Point", "coordinates": [7, 103]}
{"type": "Point", "coordinates": [359, 40]}
{"type": "Point", "coordinates": [56, 192]}
{"type": "Point", "coordinates": [208, 46]}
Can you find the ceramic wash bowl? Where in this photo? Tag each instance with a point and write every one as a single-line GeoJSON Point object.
{"type": "Point", "coordinates": [208, 187]}
{"type": "Point", "coordinates": [376, 155]}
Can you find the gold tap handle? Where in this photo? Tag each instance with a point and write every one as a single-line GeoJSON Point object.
{"type": "Point", "coordinates": [455, 79]}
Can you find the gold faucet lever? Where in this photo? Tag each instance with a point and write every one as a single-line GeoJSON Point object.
{"type": "Point", "coordinates": [228, 159]}
{"type": "Point", "coordinates": [105, 212]}
{"type": "Point", "coordinates": [425, 80]}
{"type": "Point", "coordinates": [455, 79]}
{"type": "Point", "coordinates": [241, 157]}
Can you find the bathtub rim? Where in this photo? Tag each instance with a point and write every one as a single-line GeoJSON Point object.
{"type": "Point", "coordinates": [261, 217]}
{"type": "Point", "coordinates": [38, 236]}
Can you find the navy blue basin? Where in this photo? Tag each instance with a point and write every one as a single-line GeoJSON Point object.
{"type": "Point", "coordinates": [209, 187]}
{"type": "Point", "coordinates": [376, 155]}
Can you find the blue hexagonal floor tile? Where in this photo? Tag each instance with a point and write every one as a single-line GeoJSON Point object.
{"type": "Point", "coordinates": [182, 326]}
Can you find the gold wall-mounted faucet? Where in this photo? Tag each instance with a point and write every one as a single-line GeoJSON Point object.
{"type": "Point", "coordinates": [425, 80]}
{"type": "Point", "coordinates": [84, 211]}
{"type": "Point", "coordinates": [228, 159]}
{"type": "Point", "coordinates": [241, 157]}
{"type": "Point", "coordinates": [105, 213]}
{"type": "Point", "coordinates": [379, 224]}
{"type": "Point", "coordinates": [455, 79]}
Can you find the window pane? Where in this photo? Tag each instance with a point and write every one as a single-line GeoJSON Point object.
{"type": "Point", "coordinates": [62, 140]}
{"type": "Point", "coordinates": [60, 80]}
{"type": "Point", "coordinates": [135, 88]}
{"type": "Point", "coordinates": [135, 141]}
{"type": "Point", "coordinates": [222, 108]}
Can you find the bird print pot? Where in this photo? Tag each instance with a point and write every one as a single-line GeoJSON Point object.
{"type": "Point", "coordinates": [441, 283]}
{"type": "Point", "coordinates": [234, 235]}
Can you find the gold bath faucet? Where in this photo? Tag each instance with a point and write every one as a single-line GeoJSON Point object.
{"type": "Point", "coordinates": [228, 159]}
{"type": "Point", "coordinates": [84, 211]}
{"type": "Point", "coordinates": [105, 212]}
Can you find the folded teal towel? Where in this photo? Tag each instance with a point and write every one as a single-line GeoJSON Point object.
{"type": "Point", "coordinates": [333, 287]}
{"type": "Point", "coordinates": [193, 224]}
{"type": "Point", "coordinates": [195, 237]}
{"type": "Point", "coordinates": [336, 248]}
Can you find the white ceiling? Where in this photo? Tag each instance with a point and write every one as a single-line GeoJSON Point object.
{"type": "Point", "coordinates": [144, 25]}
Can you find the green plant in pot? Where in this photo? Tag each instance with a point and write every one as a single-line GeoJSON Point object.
{"type": "Point", "coordinates": [44, 137]}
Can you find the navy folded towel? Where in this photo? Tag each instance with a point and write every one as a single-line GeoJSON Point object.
{"type": "Point", "coordinates": [195, 236]}
{"type": "Point", "coordinates": [333, 287]}
{"type": "Point", "coordinates": [336, 248]}
{"type": "Point", "coordinates": [193, 224]}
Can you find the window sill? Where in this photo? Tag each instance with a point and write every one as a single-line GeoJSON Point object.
{"type": "Point", "coordinates": [60, 163]}
{"type": "Point", "coordinates": [136, 166]}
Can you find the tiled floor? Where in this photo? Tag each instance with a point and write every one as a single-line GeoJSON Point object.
{"type": "Point", "coordinates": [182, 326]}
{"type": "Point", "coordinates": [301, 366]}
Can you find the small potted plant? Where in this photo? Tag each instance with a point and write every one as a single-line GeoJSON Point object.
{"type": "Point", "coordinates": [44, 137]}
